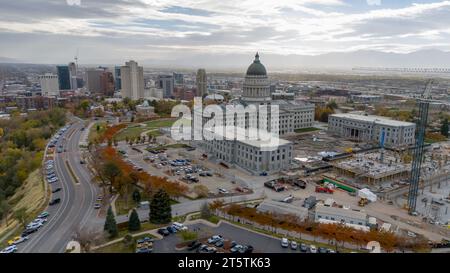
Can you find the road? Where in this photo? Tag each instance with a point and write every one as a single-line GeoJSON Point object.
{"type": "Point", "coordinates": [77, 200]}
{"type": "Point", "coordinates": [193, 206]}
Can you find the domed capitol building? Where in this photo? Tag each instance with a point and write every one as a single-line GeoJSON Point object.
{"type": "Point", "coordinates": [254, 155]}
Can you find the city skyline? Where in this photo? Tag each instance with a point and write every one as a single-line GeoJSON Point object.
{"type": "Point", "coordinates": [169, 32]}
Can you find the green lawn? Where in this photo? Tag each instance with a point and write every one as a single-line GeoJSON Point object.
{"type": "Point", "coordinates": [94, 134]}
{"type": "Point", "coordinates": [305, 130]}
{"type": "Point", "coordinates": [159, 123]}
{"type": "Point", "coordinates": [213, 219]}
{"type": "Point", "coordinates": [135, 130]}
{"type": "Point", "coordinates": [120, 247]}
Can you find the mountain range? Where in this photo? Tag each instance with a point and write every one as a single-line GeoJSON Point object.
{"type": "Point", "coordinates": [334, 60]}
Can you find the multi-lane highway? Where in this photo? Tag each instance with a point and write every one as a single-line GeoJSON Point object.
{"type": "Point", "coordinates": [78, 196]}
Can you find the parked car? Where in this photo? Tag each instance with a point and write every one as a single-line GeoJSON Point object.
{"type": "Point", "coordinates": [97, 206]}
{"type": "Point", "coordinates": [312, 249]}
{"type": "Point", "coordinates": [294, 245]}
{"type": "Point", "coordinates": [215, 239]}
{"type": "Point", "coordinates": [194, 245]}
{"type": "Point", "coordinates": [237, 249]}
{"type": "Point", "coordinates": [43, 215]}
{"type": "Point", "coordinates": [303, 247]}
{"type": "Point", "coordinates": [54, 202]}
{"type": "Point", "coordinates": [322, 250]}
{"type": "Point", "coordinates": [171, 229]}
{"type": "Point", "coordinates": [233, 244]}
{"type": "Point", "coordinates": [9, 249]}
{"type": "Point", "coordinates": [56, 190]}
{"type": "Point", "coordinates": [202, 249]}
{"type": "Point", "coordinates": [211, 249]}
{"type": "Point", "coordinates": [144, 250]}
{"type": "Point", "coordinates": [219, 243]}
{"type": "Point", "coordinates": [17, 240]}
{"type": "Point", "coordinates": [28, 231]}
{"type": "Point", "coordinates": [179, 226]}
{"type": "Point", "coordinates": [223, 191]}
{"type": "Point", "coordinates": [163, 231]}
{"type": "Point", "coordinates": [284, 242]}
{"type": "Point", "coordinates": [248, 249]}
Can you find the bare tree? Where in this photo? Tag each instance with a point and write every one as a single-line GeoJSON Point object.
{"type": "Point", "coordinates": [87, 238]}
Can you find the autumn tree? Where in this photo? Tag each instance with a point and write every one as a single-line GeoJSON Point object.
{"type": "Point", "coordinates": [111, 172]}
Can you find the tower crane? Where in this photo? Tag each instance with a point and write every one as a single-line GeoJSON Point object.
{"type": "Point", "coordinates": [418, 150]}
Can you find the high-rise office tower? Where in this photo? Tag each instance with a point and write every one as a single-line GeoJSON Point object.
{"type": "Point", "coordinates": [63, 77]}
{"type": "Point", "coordinates": [49, 84]}
{"type": "Point", "coordinates": [73, 76]}
{"type": "Point", "coordinates": [202, 83]}
{"type": "Point", "coordinates": [93, 80]}
{"type": "Point", "coordinates": [107, 83]}
{"type": "Point", "coordinates": [132, 80]}
{"type": "Point", "coordinates": [178, 78]}
{"type": "Point", "coordinates": [166, 83]}
{"type": "Point", "coordinates": [117, 78]}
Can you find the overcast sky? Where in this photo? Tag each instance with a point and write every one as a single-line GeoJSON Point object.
{"type": "Point", "coordinates": [111, 31]}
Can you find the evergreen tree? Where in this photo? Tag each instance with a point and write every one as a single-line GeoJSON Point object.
{"type": "Point", "coordinates": [134, 224]}
{"type": "Point", "coordinates": [205, 212]}
{"type": "Point", "coordinates": [444, 128]}
{"type": "Point", "coordinates": [137, 196]}
{"type": "Point", "coordinates": [110, 224]}
{"type": "Point", "coordinates": [160, 209]}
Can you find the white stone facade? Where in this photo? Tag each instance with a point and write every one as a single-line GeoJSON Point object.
{"type": "Point", "coordinates": [369, 128]}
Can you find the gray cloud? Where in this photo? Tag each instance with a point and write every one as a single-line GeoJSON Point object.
{"type": "Point", "coordinates": [113, 30]}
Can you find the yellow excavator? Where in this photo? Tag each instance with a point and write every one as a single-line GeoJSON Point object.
{"type": "Point", "coordinates": [362, 202]}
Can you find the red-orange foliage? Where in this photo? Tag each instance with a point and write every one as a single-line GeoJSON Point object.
{"type": "Point", "coordinates": [337, 232]}
{"type": "Point", "coordinates": [109, 133]}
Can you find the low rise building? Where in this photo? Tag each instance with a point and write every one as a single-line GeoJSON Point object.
{"type": "Point", "coordinates": [255, 156]}
{"type": "Point", "coordinates": [369, 128]}
{"type": "Point", "coordinates": [276, 207]}
{"type": "Point", "coordinates": [330, 214]}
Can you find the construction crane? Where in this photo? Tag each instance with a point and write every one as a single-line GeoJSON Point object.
{"type": "Point", "coordinates": [383, 133]}
{"type": "Point", "coordinates": [427, 91]}
{"type": "Point", "coordinates": [76, 60]}
{"type": "Point", "coordinates": [416, 164]}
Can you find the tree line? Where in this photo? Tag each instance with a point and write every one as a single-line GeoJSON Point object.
{"type": "Point", "coordinates": [22, 142]}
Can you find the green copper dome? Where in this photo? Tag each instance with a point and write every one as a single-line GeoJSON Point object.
{"type": "Point", "coordinates": [256, 68]}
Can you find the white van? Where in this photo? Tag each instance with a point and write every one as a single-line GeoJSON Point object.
{"type": "Point", "coordinates": [179, 226]}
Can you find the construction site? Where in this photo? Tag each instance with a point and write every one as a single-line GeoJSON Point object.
{"type": "Point", "coordinates": [370, 169]}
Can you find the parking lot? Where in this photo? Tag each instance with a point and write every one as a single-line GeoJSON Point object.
{"type": "Point", "coordinates": [260, 243]}
{"type": "Point", "coordinates": [179, 165]}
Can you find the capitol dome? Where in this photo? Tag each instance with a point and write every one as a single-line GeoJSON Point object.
{"type": "Point", "coordinates": [256, 87]}
{"type": "Point", "coordinates": [256, 68]}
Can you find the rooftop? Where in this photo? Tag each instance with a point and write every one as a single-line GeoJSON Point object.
{"type": "Point", "coordinates": [251, 136]}
{"type": "Point", "coordinates": [320, 208]}
{"type": "Point", "coordinates": [374, 119]}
